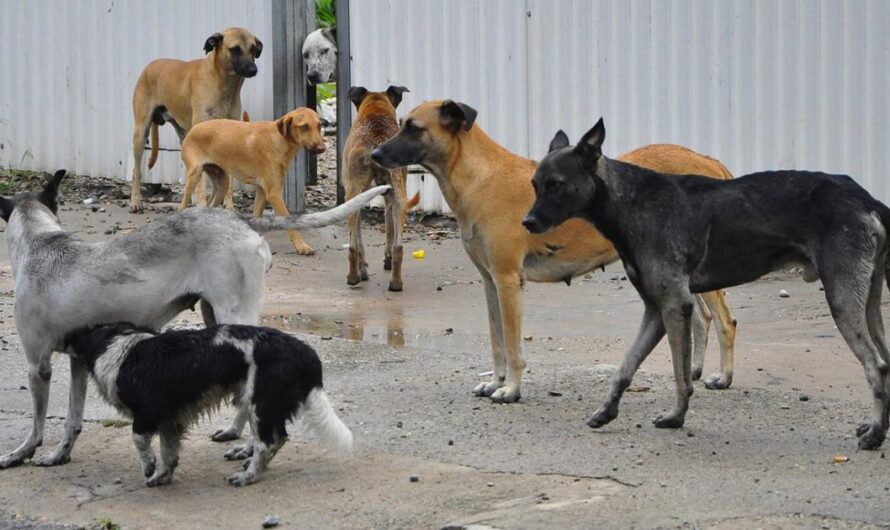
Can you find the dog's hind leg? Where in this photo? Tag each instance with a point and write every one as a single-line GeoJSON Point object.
{"type": "Point", "coordinates": [39, 375]}
{"type": "Point", "coordinates": [268, 439]}
{"type": "Point", "coordinates": [74, 421]}
{"type": "Point", "coordinates": [358, 266]}
{"type": "Point", "coordinates": [726, 329]}
{"type": "Point", "coordinates": [677, 316]}
{"type": "Point", "coordinates": [499, 358]}
{"type": "Point", "coordinates": [147, 459]}
{"type": "Point", "coordinates": [171, 440]}
{"type": "Point", "coordinates": [143, 117]}
{"type": "Point", "coordinates": [701, 326]}
{"type": "Point", "coordinates": [193, 175]}
{"type": "Point", "coordinates": [509, 288]}
{"type": "Point", "coordinates": [651, 331]}
{"type": "Point", "coordinates": [394, 207]}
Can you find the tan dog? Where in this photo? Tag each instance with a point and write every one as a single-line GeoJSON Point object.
{"type": "Point", "coordinates": [257, 153]}
{"type": "Point", "coordinates": [187, 93]}
{"type": "Point", "coordinates": [376, 123]}
{"type": "Point", "coordinates": [489, 189]}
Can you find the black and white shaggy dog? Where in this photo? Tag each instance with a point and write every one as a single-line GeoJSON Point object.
{"type": "Point", "coordinates": [164, 382]}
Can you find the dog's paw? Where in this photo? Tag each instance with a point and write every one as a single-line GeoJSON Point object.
{"type": "Point", "coordinates": [395, 286]}
{"type": "Point", "coordinates": [486, 389]}
{"type": "Point", "coordinates": [239, 452]}
{"type": "Point", "coordinates": [159, 479]}
{"type": "Point", "coordinates": [669, 420]}
{"type": "Point", "coordinates": [387, 263]}
{"type": "Point", "coordinates": [224, 435]}
{"type": "Point", "coordinates": [696, 373]}
{"type": "Point", "coordinates": [56, 458]}
{"type": "Point", "coordinates": [136, 206]}
{"type": "Point", "coordinates": [11, 460]}
{"type": "Point", "coordinates": [718, 381]}
{"type": "Point", "coordinates": [352, 279]}
{"type": "Point", "coordinates": [148, 468]}
{"type": "Point", "coordinates": [602, 416]}
{"type": "Point", "coordinates": [241, 479]}
{"type": "Point", "coordinates": [305, 250]}
{"type": "Point", "coordinates": [506, 394]}
{"type": "Point", "coordinates": [862, 428]}
{"type": "Point", "coordinates": [870, 438]}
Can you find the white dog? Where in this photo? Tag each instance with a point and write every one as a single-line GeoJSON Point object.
{"type": "Point", "coordinates": [320, 55]}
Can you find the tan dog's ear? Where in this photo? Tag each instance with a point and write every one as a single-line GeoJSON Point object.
{"type": "Point", "coordinates": [258, 48]}
{"type": "Point", "coordinates": [356, 95]}
{"type": "Point", "coordinates": [213, 42]}
{"type": "Point", "coordinates": [454, 116]}
{"type": "Point", "coordinates": [394, 93]}
{"type": "Point", "coordinates": [284, 128]}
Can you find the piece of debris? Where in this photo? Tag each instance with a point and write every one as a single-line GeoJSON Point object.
{"type": "Point", "coordinates": [840, 459]}
{"type": "Point", "coordinates": [271, 521]}
{"type": "Point", "coordinates": [89, 201]}
{"type": "Point", "coordinates": [327, 337]}
{"type": "Point", "coordinates": [804, 397]}
{"type": "Point", "coordinates": [554, 393]}
{"type": "Point", "coordinates": [527, 338]}
{"type": "Point", "coordinates": [449, 331]}
{"type": "Point", "coordinates": [638, 389]}
{"type": "Point", "coordinates": [413, 478]}
{"type": "Point", "coordinates": [418, 254]}
{"type": "Point", "coordinates": [784, 294]}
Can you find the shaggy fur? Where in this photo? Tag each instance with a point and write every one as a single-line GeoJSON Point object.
{"type": "Point", "coordinates": [679, 235]}
{"type": "Point", "coordinates": [166, 382]}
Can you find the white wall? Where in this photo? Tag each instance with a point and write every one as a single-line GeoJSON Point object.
{"type": "Point", "coordinates": [68, 69]}
{"type": "Point", "coordinates": [763, 84]}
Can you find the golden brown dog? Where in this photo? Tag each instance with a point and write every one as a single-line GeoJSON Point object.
{"type": "Point", "coordinates": [489, 189]}
{"type": "Point", "coordinates": [186, 93]}
{"type": "Point", "coordinates": [257, 153]}
{"type": "Point", "coordinates": [375, 124]}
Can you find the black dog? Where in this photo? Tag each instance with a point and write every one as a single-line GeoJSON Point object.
{"type": "Point", "coordinates": [164, 382]}
{"type": "Point", "coordinates": [679, 235]}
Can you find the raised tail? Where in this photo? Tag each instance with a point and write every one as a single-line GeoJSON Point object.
{"type": "Point", "coordinates": [154, 146]}
{"type": "Point", "coordinates": [318, 415]}
{"type": "Point", "coordinates": [316, 220]}
{"type": "Point", "coordinates": [413, 202]}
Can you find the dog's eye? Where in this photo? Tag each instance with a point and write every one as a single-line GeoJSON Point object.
{"type": "Point", "coordinates": [304, 127]}
{"type": "Point", "coordinates": [305, 55]}
{"type": "Point", "coordinates": [554, 184]}
{"type": "Point", "coordinates": [324, 51]}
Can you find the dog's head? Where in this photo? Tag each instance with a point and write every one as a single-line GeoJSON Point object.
{"type": "Point", "coordinates": [235, 50]}
{"type": "Point", "coordinates": [565, 181]}
{"type": "Point", "coordinates": [48, 199]}
{"type": "Point", "coordinates": [91, 342]}
{"type": "Point", "coordinates": [302, 126]}
{"type": "Point", "coordinates": [377, 103]}
{"type": "Point", "coordinates": [427, 135]}
{"type": "Point", "coordinates": [320, 55]}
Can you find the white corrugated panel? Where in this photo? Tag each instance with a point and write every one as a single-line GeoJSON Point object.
{"type": "Point", "coordinates": [765, 84]}
{"type": "Point", "coordinates": [68, 70]}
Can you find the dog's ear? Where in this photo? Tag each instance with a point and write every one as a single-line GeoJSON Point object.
{"type": "Point", "coordinates": [213, 42]}
{"type": "Point", "coordinates": [559, 141]}
{"type": "Point", "coordinates": [330, 34]}
{"type": "Point", "coordinates": [258, 45]}
{"type": "Point", "coordinates": [395, 94]}
{"type": "Point", "coordinates": [6, 208]}
{"type": "Point", "coordinates": [454, 115]}
{"type": "Point", "coordinates": [356, 95]}
{"type": "Point", "coordinates": [50, 194]}
{"type": "Point", "coordinates": [284, 127]}
{"type": "Point", "coordinates": [591, 144]}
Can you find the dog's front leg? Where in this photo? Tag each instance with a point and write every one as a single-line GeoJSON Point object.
{"type": "Point", "coordinates": [74, 422]}
{"type": "Point", "coordinates": [677, 315]}
{"type": "Point", "coordinates": [509, 286]}
{"type": "Point", "coordinates": [726, 328]}
{"type": "Point", "coordinates": [39, 374]}
{"type": "Point", "coordinates": [496, 334]}
{"type": "Point", "coordinates": [651, 331]}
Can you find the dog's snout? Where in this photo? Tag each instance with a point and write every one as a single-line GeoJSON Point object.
{"type": "Point", "coordinates": [377, 156]}
{"type": "Point", "coordinates": [250, 70]}
{"type": "Point", "coordinates": [313, 76]}
{"type": "Point", "coordinates": [532, 224]}
{"type": "Point", "coordinates": [317, 149]}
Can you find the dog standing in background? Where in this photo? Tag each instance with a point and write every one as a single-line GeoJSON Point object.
{"type": "Point", "coordinates": [320, 55]}
{"type": "Point", "coordinates": [257, 153]}
{"type": "Point", "coordinates": [187, 93]}
{"type": "Point", "coordinates": [376, 123]}
{"type": "Point", "coordinates": [165, 382]}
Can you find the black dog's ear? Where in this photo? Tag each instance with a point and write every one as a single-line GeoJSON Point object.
{"type": "Point", "coordinates": [259, 48]}
{"type": "Point", "coordinates": [395, 94]}
{"type": "Point", "coordinates": [330, 34]}
{"type": "Point", "coordinates": [212, 42]}
{"type": "Point", "coordinates": [356, 95]}
{"type": "Point", "coordinates": [590, 146]}
{"type": "Point", "coordinates": [454, 115]}
{"type": "Point", "coordinates": [559, 141]}
{"type": "Point", "coordinates": [50, 194]}
{"type": "Point", "coordinates": [6, 207]}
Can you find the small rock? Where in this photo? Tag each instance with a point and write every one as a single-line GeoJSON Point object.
{"type": "Point", "coordinates": [118, 480]}
{"type": "Point", "coordinates": [438, 287]}
{"type": "Point", "coordinates": [326, 337]}
{"type": "Point", "coordinates": [784, 294]}
{"type": "Point", "coordinates": [89, 201]}
{"type": "Point", "coordinates": [451, 442]}
{"type": "Point", "coordinates": [399, 424]}
{"type": "Point", "coordinates": [449, 331]}
{"type": "Point", "coordinates": [804, 397]}
{"type": "Point", "coordinates": [413, 478]}
{"type": "Point", "coordinates": [490, 484]}
{"type": "Point", "coordinates": [840, 459]}
{"type": "Point", "coordinates": [527, 338]}
{"type": "Point", "coordinates": [270, 521]}
{"type": "Point", "coordinates": [554, 393]}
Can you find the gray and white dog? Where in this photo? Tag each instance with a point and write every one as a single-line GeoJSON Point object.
{"type": "Point", "coordinates": [145, 277]}
{"type": "Point", "coordinates": [320, 55]}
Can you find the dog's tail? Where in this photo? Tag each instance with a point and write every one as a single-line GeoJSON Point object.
{"type": "Point", "coordinates": [154, 146]}
{"type": "Point", "coordinates": [316, 220]}
{"type": "Point", "coordinates": [413, 202]}
{"type": "Point", "coordinates": [318, 415]}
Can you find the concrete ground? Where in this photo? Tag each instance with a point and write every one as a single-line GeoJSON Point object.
{"type": "Point", "coordinates": [400, 367]}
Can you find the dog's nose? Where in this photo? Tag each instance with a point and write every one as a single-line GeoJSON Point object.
{"type": "Point", "coordinates": [250, 70]}
{"type": "Point", "coordinates": [313, 77]}
{"type": "Point", "coordinates": [377, 156]}
{"type": "Point", "coordinates": [532, 224]}
{"type": "Point", "coordinates": [317, 149]}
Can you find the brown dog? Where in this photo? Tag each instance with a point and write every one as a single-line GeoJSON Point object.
{"type": "Point", "coordinates": [375, 124]}
{"type": "Point", "coordinates": [489, 189]}
{"type": "Point", "coordinates": [187, 93]}
{"type": "Point", "coordinates": [257, 153]}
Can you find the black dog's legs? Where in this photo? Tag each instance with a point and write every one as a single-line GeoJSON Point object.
{"type": "Point", "coordinates": [677, 316]}
{"type": "Point", "coordinates": [651, 331]}
{"type": "Point", "coordinates": [142, 441]}
{"type": "Point", "coordinates": [171, 439]}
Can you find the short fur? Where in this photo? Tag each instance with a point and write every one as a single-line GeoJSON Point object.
{"type": "Point", "coordinates": [489, 190]}
{"type": "Point", "coordinates": [376, 123]}
{"type": "Point", "coordinates": [680, 235]}
{"type": "Point", "coordinates": [147, 277]}
{"type": "Point", "coordinates": [186, 93]}
{"type": "Point", "coordinates": [320, 56]}
{"type": "Point", "coordinates": [257, 153]}
{"type": "Point", "coordinates": [166, 382]}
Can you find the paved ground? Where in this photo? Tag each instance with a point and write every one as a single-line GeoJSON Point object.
{"type": "Point", "coordinates": [400, 368]}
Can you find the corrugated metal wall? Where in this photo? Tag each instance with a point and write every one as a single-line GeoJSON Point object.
{"type": "Point", "coordinates": [68, 70]}
{"type": "Point", "coordinates": [763, 84]}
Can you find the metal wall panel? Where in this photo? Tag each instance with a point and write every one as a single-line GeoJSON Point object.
{"type": "Point", "coordinates": [68, 70]}
{"type": "Point", "coordinates": [759, 84]}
